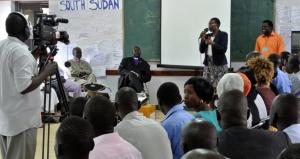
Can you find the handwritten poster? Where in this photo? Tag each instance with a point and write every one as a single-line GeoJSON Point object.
{"type": "Point", "coordinates": [96, 26]}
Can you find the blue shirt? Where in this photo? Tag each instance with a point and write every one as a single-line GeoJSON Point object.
{"type": "Point", "coordinates": [282, 82]}
{"type": "Point", "coordinates": [293, 132]}
{"type": "Point", "coordinates": [174, 121]}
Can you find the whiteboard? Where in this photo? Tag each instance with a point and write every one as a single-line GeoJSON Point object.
{"type": "Point", "coordinates": [181, 24]}
{"type": "Point", "coordinates": [94, 26]}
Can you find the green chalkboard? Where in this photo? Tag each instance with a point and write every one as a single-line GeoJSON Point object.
{"type": "Point", "coordinates": [246, 20]}
{"type": "Point", "coordinates": [142, 27]}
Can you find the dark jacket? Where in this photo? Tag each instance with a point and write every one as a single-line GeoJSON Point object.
{"type": "Point", "coordinates": [129, 79]}
{"type": "Point", "coordinates": [218, 49]}
{"type": "Point", "coordinates": [243, 143]}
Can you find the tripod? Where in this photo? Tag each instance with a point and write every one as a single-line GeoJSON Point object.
{"type": "Point", "coordinates": [47, 113]}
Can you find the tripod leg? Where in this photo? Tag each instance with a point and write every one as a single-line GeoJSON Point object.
{"type": "Point", "coordinates": [62, 92]}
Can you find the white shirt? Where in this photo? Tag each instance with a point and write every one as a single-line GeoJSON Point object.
{"type": "Point", "coordinates": [293, 132]}
{"type": "Point", "coordinates": [209, 49]}
{"type": "Point", "coordinates": [112, 146]}
{"type": "Point", "coordinates": [147, 135]}
{"type": "Point", "coordinates": [18, 112]}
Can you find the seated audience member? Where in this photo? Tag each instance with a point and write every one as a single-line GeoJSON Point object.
{"type": "Point", "coordinates": [81, 70]}
{"type": "Point", "coordinates": [253, 54]}
{"type": "Point", "coordinates": [77, 106]}
{"type": "Point", "coordinates": [280, 79]}
{"type": "Point", "coordinates": [231, 81]}
{"type": "Point", "coordinates": [148, 136]}
{"type": "Point", "coordinates": [74, 139]}
{"type": "Point", "coordinates": [170, 102]}
{"type": "Point", "coordinates": [293, 70]}
{"type": "Point", "coordinates": [134, 71]}
{"type": "Point", "coordinates": [286, 116]}
{"type": "Point", "coordinates": [263, 73]}
{"type": "Point", "coordinates": [292, 152]}
{"type": "Point", "coordinates": [198, 95]}
{"type": "Point", "coordinates": [236, 141]}
{"type": "Point", "coordinates": [199, 134]}
{"type": "Point", "coordinates": [255, 102]}
{"type": "Point", "coordinates": [101, 113]}
{"type": "Point", "coordinates": [284, 60]}
{"type": "Point", "coordinates": [202, 154]}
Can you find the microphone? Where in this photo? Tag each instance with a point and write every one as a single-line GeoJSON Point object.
{"type": "Point", "coordinates": [203, 33]}
{"type": "Point", "coordinates": [67, 64]}
{"type": "Point", "coordinates": [205, 30]}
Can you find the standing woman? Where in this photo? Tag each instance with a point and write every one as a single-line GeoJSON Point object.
{"type": "Point", "coordinates": [214, 45]}
{"type": "Point", "coordinates": [198, 95]}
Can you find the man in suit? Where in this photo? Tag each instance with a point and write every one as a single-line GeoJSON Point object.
{"type": "Point", "coordinates": [134, 71]}
{"type": "Point", "coordinates": [214, 45]}
{"type": "Point", "coordinates": [236, 141]}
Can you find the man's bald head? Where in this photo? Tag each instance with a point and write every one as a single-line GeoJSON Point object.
{"type": "Point", "coordinates": [202, 154]}
{"type": "Point", "coordinates": [17, 26]}
{"type": "Point", "coordinates": [233, 109]}
{"type": "Point", "coordinates": [285, 111]}
{"type": "Point", "coordinates": [126, 100]}
{"type": "Point", "coordinates": [199, 134]}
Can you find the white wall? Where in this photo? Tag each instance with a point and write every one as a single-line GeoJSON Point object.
{"type": "Point", "coordinates": [5, 8]}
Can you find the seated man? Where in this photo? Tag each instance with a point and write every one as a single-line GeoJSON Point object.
{"type": "Point", "coordinates": [134, 71]}
{"type": "Point", "coordinates": [202, 154]}
{"type": "Point", "coordinates": [176, 117]}
{"type": "Point", "coordinates": [199, 134]}
{"type": "Point", "coordinates": [74, 139]}
{"type": "Point", "coordinates": [285, 115]}
{"type": "Point", "coordinates": [147, 135]}
{"type": "Point", "coordinates": [261, 144]}
{"type": "Point", "coordinates": [101, 113]}
{"type": "Point", "coordinates": [80, 70]}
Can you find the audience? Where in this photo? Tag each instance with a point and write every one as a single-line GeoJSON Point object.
{"type": "Point", "coordinates": [198, 95]}
{"type": "Point", "coordinates": [252, 55]}
{"type": "Point", "coordinates": [101, 113]}
{"type": "Point", "coordinates": [202, 154]}
{"type": "Point", "coordinates": [238, 142]}
{"type": "Point", "coordinates": [280, 79]}
{"type": "Point", "coordinates": [231, 81]}
{"type": "Point", "coordinates": [284, 60]}
{"type": "Point", "coordinates": [74, 139]}
{"type": "Point", "coordinates": [286, 116]}
{"type": "Point", "coordinates": [77, 106]}
{"type": "Point", "coordinates": [255, 102]}
{"type": "Point", "coordinates": [199, 134]}
{"type": "Point", "coordinates": [292, 152]}
{"type": "Point", "coordinates": [148, 136]}
{"type": "Point", "coordinates": [293, 69]}
{"type": "Point", "coordinates": [170, 101]}
{"type": "Point", "coordinates": [263, 73]}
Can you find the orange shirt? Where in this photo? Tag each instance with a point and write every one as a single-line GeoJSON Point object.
{"type": "Point", "coordinates": [267, 45]}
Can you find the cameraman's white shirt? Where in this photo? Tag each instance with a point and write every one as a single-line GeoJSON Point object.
{"type": "Point", "coordinates": [18, 112]}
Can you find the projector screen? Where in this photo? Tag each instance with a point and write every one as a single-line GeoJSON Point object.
{"type": "Point", "coordinates": [181, 24]}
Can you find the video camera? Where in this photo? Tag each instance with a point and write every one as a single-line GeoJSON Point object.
{"type": "Point", "coordinates": [44, 32]}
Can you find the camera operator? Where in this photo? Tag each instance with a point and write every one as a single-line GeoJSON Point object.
{"type": "Point", "coordinates": [20, 99]}
{"type": "Point", "coordinates": [214, 45]}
